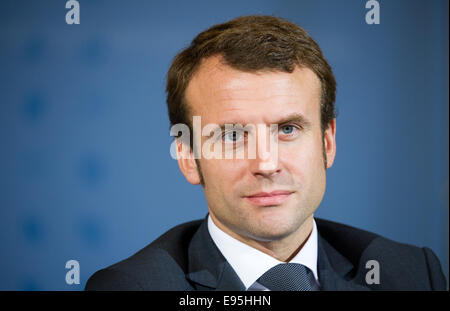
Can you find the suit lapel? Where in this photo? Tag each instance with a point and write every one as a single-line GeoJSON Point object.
{"type": "Point", "coordinates": [334, 269]}
{"type": "Point", "coordinates": [208, 269]}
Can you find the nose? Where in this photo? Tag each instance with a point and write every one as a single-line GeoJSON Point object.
{"type": "Point", "coordinates": [266, 163]}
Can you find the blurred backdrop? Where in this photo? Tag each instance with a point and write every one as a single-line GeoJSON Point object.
{"type": "Point", "coordinates": [85, 168]}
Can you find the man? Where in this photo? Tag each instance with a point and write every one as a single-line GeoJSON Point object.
{"type": "Point", "coordinates": [260, 232]}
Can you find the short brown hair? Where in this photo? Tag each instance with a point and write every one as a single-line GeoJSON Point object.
{"type": "Point", "coordinates": [250, 43]}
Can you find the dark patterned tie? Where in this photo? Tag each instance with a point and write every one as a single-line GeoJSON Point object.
{"type": "Point", "coordinates": [289, 277]}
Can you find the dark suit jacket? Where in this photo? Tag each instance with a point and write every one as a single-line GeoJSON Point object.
{"type": "Point", "coordinates": [185, 258]}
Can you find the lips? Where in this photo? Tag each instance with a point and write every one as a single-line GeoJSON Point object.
{"type": "Point", "coordinates": [269, 198]}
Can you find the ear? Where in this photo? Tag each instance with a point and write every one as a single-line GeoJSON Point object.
{"type": "Point", "coordinates": [186, 162]}
{"type": "Point", "coordinates": [330, 142]}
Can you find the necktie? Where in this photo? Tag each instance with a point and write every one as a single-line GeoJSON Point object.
{"type": "Point", "coordinates": [288, 277]}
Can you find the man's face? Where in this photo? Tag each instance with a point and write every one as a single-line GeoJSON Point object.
{"type": "Point", "coordinates": [245, 198]}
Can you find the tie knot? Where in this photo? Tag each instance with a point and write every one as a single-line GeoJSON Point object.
{"type": "Point", "coordinates": [288, 277]}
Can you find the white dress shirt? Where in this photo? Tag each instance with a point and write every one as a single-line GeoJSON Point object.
{"type": "Point", "coordinates": [250, 264]}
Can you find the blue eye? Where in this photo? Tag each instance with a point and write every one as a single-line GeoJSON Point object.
{"type": "Point", "coordinates": [287, 129]}
{"type": "Point", "coordinates": [232, 136]}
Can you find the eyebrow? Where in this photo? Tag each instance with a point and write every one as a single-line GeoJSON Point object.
{"type": "Point", "coordinates": [293, 118]}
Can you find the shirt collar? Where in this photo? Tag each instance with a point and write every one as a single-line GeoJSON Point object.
{"type": "Point", "coordinates": [250, 263]}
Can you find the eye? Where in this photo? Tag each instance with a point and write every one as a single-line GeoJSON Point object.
{"type": "Point", "coordinates": [232, 136]}
{"type": "Point", "coordinates": [287, 129]}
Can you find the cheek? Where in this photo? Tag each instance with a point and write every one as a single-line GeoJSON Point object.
{"type": "Point", "coordinates": [303, 160]}
{"type": "Point", "coordinates": [222, 175]}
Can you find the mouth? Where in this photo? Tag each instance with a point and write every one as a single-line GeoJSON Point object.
{"type": "Point", "coordinates": [273, 198]}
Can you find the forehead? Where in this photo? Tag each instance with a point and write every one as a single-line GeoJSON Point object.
{"type": "Point", "coordinates": [220, 94]}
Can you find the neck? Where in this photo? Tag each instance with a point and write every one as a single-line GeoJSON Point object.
{"type": "Point", "coordinates": [282, 249]}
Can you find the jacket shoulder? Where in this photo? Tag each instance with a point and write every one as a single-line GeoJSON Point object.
{"type": "Point", "coordinates": [402, 266]}
{"type": "Point", "coordinates": [161, 265]}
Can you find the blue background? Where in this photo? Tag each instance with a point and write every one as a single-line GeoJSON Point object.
{"type": "Point", "coordinates": [85, 169]}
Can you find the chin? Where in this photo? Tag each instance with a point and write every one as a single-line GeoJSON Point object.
{"type": "Point", "coordinates": [272, 232]}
